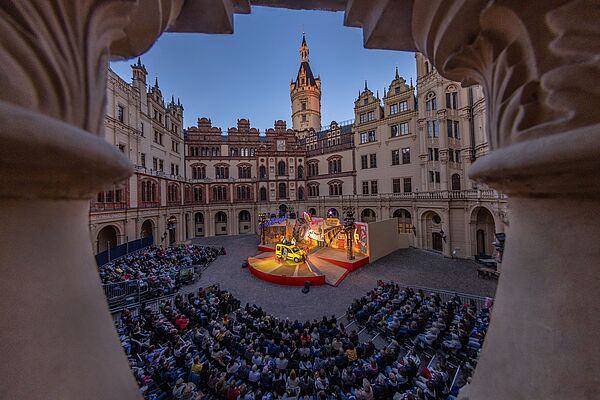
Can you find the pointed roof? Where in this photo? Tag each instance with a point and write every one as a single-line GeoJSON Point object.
{"type": "Point", "coordinates": [310, 78]}
{"type": "Point", "coordinates": [304, 40]}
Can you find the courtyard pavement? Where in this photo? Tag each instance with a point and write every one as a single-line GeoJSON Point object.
{"type": "Point", "coordinates": [405, 266]}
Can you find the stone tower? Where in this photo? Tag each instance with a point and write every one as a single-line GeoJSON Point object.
{"type": "Point", "coordinates": [305, 93]}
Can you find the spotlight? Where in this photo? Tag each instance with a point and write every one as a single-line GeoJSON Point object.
{"type": "Point", "coordinates": [306, 287]}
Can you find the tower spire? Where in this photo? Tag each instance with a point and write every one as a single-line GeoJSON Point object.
{"type": "Point", "coordinates": [366, 88]}
{"type": "Point", "coordinates": [303, 49]}
{"type": "Point", "coordinates": [397, 76]}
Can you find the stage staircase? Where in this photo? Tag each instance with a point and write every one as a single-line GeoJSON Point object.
{"type": "Point", "coordinates": [333, 273]}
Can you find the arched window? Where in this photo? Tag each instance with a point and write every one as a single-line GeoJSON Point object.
{"type": "Point", "coordinates": [335, 188]}
{"type": "Point", "coordinates": [368, 215]}
{"type": "Point", "coordinates": [313, 190]}
{"type": "Point", "coordinates": [301, 193]}
{"type": "Point", "coordinates": [263, 194]}
{"type": "Point", "coordinates": [220, 217]}
{"type": "Point", "coordinates": [198, 171]}
{"type": "Point", "coordinates": [455, 182]}
{"type": "Point", "coordinates": [199, 218]}
{"type": "Point", "coordinates": [222, 172]}
{"type": "Point", "coordinates": [281, 170]}
{"type": "Point", "coordinates": [262, 172]}
{"type": "Point", "coordinates": [404, 221]}
{"type": "Point", "coordinates": [282, 191]}
{"type": "Point", "coordinates": [244, 172]}
{"type": "Point", "coordinates": [312, 211]}
{"type": "Point", "coordinates": [173, 193]}
{"type": "Point", "coordinates": [300, 172]}
{"type": "Point", "coordinates": [430, 102]}
{"type": "Point", "coordinates": [427, 68]}
{"type": "Point", "coordinates": [452, 97]}
{"type": "Point", "coordinates": [245, 216]}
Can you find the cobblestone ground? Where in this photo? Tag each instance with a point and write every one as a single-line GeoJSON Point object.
{"type": "Point", "coordinates": [406, 266]}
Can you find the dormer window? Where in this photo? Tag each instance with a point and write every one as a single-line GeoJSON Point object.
{"type": "Point", "coordinates": [366, 101]}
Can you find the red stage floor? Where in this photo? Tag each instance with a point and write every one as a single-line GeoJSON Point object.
{"type": "Point", "coordinates": [324, 265]}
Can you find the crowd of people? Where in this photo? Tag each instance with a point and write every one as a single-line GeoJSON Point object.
{"type": "Point", "coordinates": [206, 345]}
{"type": "Point", "coordinates": [155, 271]}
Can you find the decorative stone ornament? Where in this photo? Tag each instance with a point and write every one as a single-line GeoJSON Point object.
{"type": "Point", "coordinates": [539, 65]}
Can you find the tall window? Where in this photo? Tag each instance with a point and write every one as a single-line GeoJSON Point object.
{"type": "Point", "coordinates": [365, 187]}
{"type": "Point", "coordinates": [407, 185]}
{"type": "Point", "coordinates": [373, 160]}
{"type": "Point", "coordinates": [263, 194]}
{"type": "Point", "coordinates": [282, 191]}
{"type": "Point", "coordinates": [395, 157]}
{"type": "Point", "coordinates": [403, 106]}
{"type": "Point", "coordinates": [313, 190]}
{"type": "Point", "coordinates": [300, 172]}
{"type": "Point", "coordinates": [452, 128]}
{"type": "Point", "coordinates": [396, 185]}
{"type": "Point", "coordinates": [301, 193]}
{"type": "Point", "coordinates": [370, 116]}
{"type": "Point", "coordinates": [455, 182]}
{"type": "Point", "coordinates": [374, 187]}
{"type": "Point", "coordinates": [143, 159]}
{"type": "Point", "coordinates": [452, 98]}
{"type": "Point", "coordinates": [393, 108]}
{"type": "Point", "coordinates": [404, 128]}
{"type": "Point", "coordinates": [406, 155]}
{"type": "Point", "coordinates": [313, 168]}
{"type": "Point", "coordinates": [362, 118]}
{"type": "Point", "coordinates": [262, 172]}
{"type": "Point", "coordinates": [394, 132]}
{"type": "Point", "coordinates": [433, 129]}
{"type": "Point", "coordinates": [281, 170]}
{"type": "Point", "coordinates": [121, 113]}
{"type": "Point", "coordinates": [173, 193]}
{"type": "Point", "coordinates": [197, 194]}
{"type": "Point", "coordinates": [364, 161]}
{"type": "Point", "coordinates": [430, 102]}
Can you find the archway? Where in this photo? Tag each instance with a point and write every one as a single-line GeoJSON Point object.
{"type": "Point", "coordinates": [172, 229]}
{"type": "Point", "coordinates": [244, 221]}
{"type": "Point", "coordinates": [282, 209]}
{"type": "Point", "coordinates": [107, 238]}
{"type": "Point", "coordinates": [482, 228]}
{"type": "Point", "coordinates": [312, 211]}
{"type": "Point", "coordinates": [404, 219]}
{"type": "Point", "coordinates": [198, 224]}
{"type": "Point", "coordinates": [147, 229]}
{"type": "Point", "coordinates": [367, 215]}
{"type": "Point", "coordinates": [431, 231]}
{"type": "Point", "coordinates": [220, 223]}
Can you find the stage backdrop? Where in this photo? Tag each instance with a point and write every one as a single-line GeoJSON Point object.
{"type": "Point", "coordinates": [385, 239]}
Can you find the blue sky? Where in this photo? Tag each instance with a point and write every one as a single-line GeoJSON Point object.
{"type": "Point", "coordinates": [247, 74]}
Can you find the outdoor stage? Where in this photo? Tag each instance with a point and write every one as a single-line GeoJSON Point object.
{"type": "Point", "coordinates": [323, 266]}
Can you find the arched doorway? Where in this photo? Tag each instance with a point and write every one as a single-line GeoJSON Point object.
{"type": "Point", "coordinates": [107, 238]}
{"type": "Point", "coordinates": [220, 223]}
{"type": "Point", "coordinates": [404, 220]}
{"type": "Point", "coordinates": [198, 224]}
{"type": "Point", "coordinates": [147, 229]}
{"type": "Point", "coordinates": [483, 229]}
{"type": "Point", "coordinates": [431, 231]}
{"type": "Point", "coordinates": [244, 221]}
{"type": "Point", "coordinates": [312, 211]}
{"type": "Point", "coordinates": [172, 229]}
{"type": "Point", "coordinates": [367, 215]}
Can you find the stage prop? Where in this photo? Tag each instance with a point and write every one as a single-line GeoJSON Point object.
{"type": "Point", "coordinates": [310, 249]}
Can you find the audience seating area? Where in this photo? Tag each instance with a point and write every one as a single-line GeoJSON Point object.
{"type": "Point", "coordinates": [206, 345]}
{"type": "Point", "coordinates": [152, 272]}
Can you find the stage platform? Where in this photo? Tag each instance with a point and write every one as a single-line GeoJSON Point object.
{"type": "Point", "coordinates": [323, 266]}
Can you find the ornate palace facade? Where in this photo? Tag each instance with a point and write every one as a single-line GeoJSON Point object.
{"type": "Point", "coordinates": [406, 155]}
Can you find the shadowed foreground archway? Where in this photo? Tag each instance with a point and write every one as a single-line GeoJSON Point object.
{"type": "Point", "coordinates": [536, 62]}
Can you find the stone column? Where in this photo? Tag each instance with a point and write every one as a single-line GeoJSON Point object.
{"type": "Point", "coordinates": [58, 338]}
{"type": "Point", "coordinates": [535, 63]}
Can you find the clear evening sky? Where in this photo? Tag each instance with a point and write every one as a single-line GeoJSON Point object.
{"type": "Point", "coordinates": [247, 74]}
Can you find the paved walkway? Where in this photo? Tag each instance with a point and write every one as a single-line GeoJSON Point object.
{"type": "Point", "coordinates": [406, 266]}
